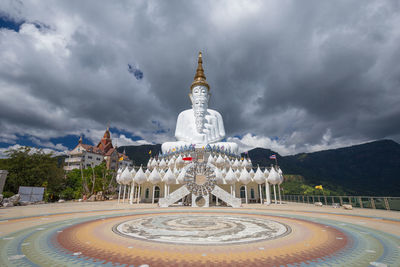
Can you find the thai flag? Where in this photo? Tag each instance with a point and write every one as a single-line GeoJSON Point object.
{"type": "Point", "coordinates": [272, 157]}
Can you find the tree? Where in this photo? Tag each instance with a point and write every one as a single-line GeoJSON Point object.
{"type": "Point", "coordinates": [28, 167]}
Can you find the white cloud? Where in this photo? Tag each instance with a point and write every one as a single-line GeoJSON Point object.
{"type": "Point", "coordinates": [276, 68]}
{"type": "Point", "coordinates": [122, 140]}
{"type": "Point", "coordinates": [48, 144]}
{"type": "Point", "coordinates": [3, 153]}
{"type": "Point", "coordinates": [284, 146]}
{"type": "Point", "coordinates": [249, 141]}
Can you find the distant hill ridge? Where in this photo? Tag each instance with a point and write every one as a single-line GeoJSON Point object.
{"type": "Point", "coordinates": [367, 169]}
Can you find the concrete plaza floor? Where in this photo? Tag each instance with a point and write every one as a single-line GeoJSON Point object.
{"type": "Point", "coordinates": [86, 234]}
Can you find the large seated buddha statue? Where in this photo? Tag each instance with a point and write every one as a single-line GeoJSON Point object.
{"type": "Point", "coordinates": [199, 126]}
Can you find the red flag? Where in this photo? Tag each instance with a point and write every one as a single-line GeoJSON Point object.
{"type": "Point", "coordinates": [188, 158]}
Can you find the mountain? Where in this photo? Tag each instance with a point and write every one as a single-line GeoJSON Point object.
{"type": "Point", "coordinates": [140, 154]}
{"type": "Point", "coordinates": [370, 169]}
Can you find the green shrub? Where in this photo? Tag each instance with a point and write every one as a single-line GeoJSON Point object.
{"type": "Point", "coordinates": [8, 194]}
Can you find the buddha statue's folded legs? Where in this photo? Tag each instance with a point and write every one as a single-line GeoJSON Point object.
{"type": "Point", "coordinates": [228, 146]}
{"type": "Point", "coordinates": [176, 146]}
{"type": "Point", "coordinates": [173, 146]}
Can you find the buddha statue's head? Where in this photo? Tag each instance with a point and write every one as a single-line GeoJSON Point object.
{"type": "Point", "coordinates": [199, 98]}
{"type": "Point", "coordinates": [200, 95]}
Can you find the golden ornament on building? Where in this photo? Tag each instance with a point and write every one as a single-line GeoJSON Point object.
{"type": "Point", "coordinates": [200, 78]}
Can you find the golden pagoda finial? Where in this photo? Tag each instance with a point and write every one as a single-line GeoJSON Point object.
{"type": "Point", "coordinates": [200, 78]}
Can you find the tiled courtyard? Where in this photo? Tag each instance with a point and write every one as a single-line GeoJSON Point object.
{"type": "Point", "coordinates": [112, 234]}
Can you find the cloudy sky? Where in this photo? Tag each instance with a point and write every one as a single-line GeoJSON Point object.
{"type": "Point", "coordinates": [293, 76]}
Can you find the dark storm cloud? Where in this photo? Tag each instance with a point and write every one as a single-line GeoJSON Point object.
{"type": "Point", "coordinates": [313, 74]}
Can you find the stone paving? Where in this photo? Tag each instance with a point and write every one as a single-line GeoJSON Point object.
{"type": "Point", "coordinates": [111, 234]}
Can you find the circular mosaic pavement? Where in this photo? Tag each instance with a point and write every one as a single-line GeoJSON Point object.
{"type": "Point", "coordinates": [202, 229]}
{"type": "Point", "coordinates": [177, 237]}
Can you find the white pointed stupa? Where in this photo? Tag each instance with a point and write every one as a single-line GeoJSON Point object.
{"type": "Point", "coordinates": [259, 176]}
{"type": "Point", "coordinates": [147, 172]}
{"type": "Point", "coordinates": [118, 179]}
{"type": "Point", "coordinates": [218, 176]}
{"type": "Point", "coordinates": [171, 162]}
{"type": "Point", "coordinates": [211, 160]}
{"type": "Point", "coordinates": [273, 178]}
{"type": "Point", "coordinates": [181, 177]}
{"type": "Point", "coordinates": [153, 164]}
{"type": "Point", "coordinates": [230, 177]}
{"type": "Point", "coordinates": [223, 172]}
{"type": "Point", "coordinates": [179, 162]}
{"type": "Point", "coordinates": [133, 173]}
{"type": "Point", "coordinates": [140, 176]}
{"type": "Point", "coordinates": [237, 173]}
{"type": "Point", "coordinates": [236, 165]}
{"type": "Point", "coordinates": [155, 176]}
{"type": "Point", "coordinates": [249, 164]}
{"type": "Point", "coordinates": [252, 173]}
{"type": "Point", "coordinates": [126, 177]}
{"type": "Point", "coordinates": [266, 172]}
{"type": "Point", "coordinates": [227, 164]}
{"type": "Point", "coordinates": [162, 173]}
{"type": "Point", "coordinates": [149, 163]}
{"type": "Point", "coordinates": [244, 177]}
{"type": "Point", "coordinates": [162, 164]}
{"type": "Point", "coordinates": [169, 177]}
{"type": "Point", "coordinates": [220, 162]}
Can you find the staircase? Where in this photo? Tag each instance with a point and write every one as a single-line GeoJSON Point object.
{"type": "Point", "coordinates": [173, 197]}
{"type": "Point", "coordinates": [226, 197]}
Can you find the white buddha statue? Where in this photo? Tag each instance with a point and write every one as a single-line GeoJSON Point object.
{"type": "Point", "coordinates": [200, 125]}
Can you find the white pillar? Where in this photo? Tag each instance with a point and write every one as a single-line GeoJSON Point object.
{"type": "Point", "coordinates": [267, 193]}
{"type": "Point", "coordinates": [131, 193]}
{"type": "Point", "coordinates": [165, 190]}
{"type": "Point", "coordinates": [138, 199]}
{"type": "Point", "coordinates": [245, 192]}
{"type": "Point", "coordinates": [152, 200]}
{"type": "Point", "coordinates": [123, 198]}
{"type": "Point", "coordinates": [119, 193]}
{"type": "Point", "coordinates": [168, 189]}
{"type": "Point", "coordinates": [231, 190]}
{"type": "Point", "coordinates": [259, 190]}
{"type": "Point", "coordinates": [275, 194]}
{"type": "Point", "coordinates": [234, 190]}
{"type": "Point", "coordinates": [279, 192]}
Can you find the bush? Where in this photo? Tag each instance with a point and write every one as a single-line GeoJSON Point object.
{"type": "Point", "coordinates": [8, 194]}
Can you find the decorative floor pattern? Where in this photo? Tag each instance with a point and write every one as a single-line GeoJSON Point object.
{"type": "Point", "coordinates": [202, 229]}
{"type": "Point", "coordinates": [225, 237]}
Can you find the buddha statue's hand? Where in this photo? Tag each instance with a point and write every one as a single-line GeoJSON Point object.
{"type": "Point", "coordinates": [211, 128]}
{"type": "Point", "coordinates": [199, 137]}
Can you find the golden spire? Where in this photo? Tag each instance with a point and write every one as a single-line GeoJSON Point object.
{"type": "Point", "coordinates": [200, 78]}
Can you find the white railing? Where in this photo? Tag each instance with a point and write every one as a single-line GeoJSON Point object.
{"type": "Point", "coordinates": [70, 160]}
{"type": "Point", "coordinates": [71, 167]}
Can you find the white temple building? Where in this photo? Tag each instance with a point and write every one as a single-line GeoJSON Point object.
{"type": "Point", "coordinates": [199, 169]}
